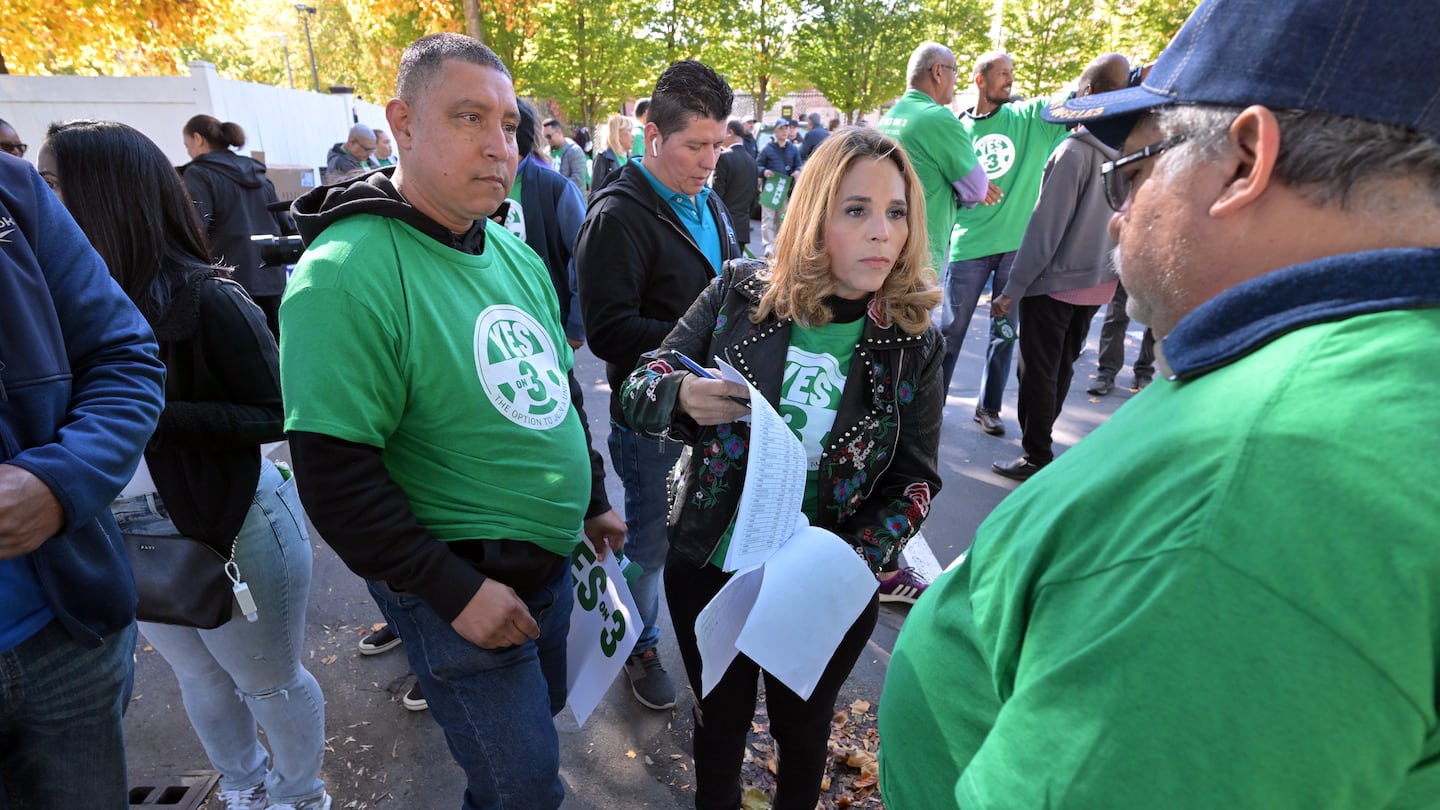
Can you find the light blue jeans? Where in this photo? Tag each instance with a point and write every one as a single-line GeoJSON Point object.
{"type": "Point", "coordinates": [964, 281]}
{"type": "Point", "coordinates": [644, 465]}
{"type": "Point", "coordinates": [243, 673]}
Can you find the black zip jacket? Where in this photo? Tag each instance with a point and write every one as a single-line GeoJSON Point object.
{"type": "Point", "coordinates": [877, 473]}
{"type": "Point", "coordinates": [222, 401]}
{"type": "Point", "coordinates": [231, 192]}
{"type": "Point", "coordinates": [638, 271]}
{"type": "Point", "coordinates": [347, 491]}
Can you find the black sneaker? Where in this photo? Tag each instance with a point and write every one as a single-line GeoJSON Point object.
{"type": "Point", "coordinates": [379, 641]}
{"type": "Point", "coordinates": [414, 700]}
{"type": "Point", "coordinates": [649, 681]}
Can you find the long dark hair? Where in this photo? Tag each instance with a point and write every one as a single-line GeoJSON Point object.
{"type": "Point", "coordinates": [129, 201]}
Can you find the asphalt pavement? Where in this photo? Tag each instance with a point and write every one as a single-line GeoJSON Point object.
{"type": "Point", "coordinates": [379, 755]}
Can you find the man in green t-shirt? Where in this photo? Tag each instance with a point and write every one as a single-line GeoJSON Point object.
{"type": "Point", "coordinates": [1226, 596]}
{"type": "Point", "coordinates": [1013, 143]}
{"type": "Point", "coordinates": [435, 424]}
{"type": "Point", "coordinates": [938, 146]}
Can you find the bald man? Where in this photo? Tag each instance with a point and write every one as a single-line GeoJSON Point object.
{"type": "Point", "coordinates": [351, 157]}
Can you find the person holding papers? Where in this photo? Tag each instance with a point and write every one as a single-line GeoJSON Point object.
{"type": "Point", "coordinates": [835, 333]}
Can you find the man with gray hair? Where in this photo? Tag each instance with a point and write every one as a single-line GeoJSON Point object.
{"type": "Point", "coordinates": [1226, 595]}
{"type": "Point", "coordinates": [351, 157]}
{"type": "Point", "coordinates": [940, 149]}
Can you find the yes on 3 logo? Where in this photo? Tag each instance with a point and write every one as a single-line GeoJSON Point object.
{"type": "Point", "coordinates": [519, 367]}
{"type": "Point", "coordinates": [996, 153]}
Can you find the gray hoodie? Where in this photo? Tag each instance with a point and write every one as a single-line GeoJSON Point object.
{"type": "Point", "coordinates": [1067, 243]}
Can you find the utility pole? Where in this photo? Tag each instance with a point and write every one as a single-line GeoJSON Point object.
{"type": "Point", "coordinates": [285, 46]}
{"type": "Point", "coordinates": [306, 12]}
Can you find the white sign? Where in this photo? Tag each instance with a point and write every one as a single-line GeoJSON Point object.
{"type": "Point", "coordinates": [604, 628]}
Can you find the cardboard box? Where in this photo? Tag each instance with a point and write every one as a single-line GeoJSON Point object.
{"type": "Point", "coordinates": [292, 181]}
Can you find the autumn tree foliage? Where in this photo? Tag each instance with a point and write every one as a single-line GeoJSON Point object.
{"type": "Point", "coordinates": [585, 58]}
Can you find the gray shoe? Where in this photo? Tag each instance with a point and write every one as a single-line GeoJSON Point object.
{"type": "Point", "coordinates": [1102, 386]}
{"type": "Point", "coordinates": [649, 681]}
{"type": "Point", "coordinates": [321, 802]}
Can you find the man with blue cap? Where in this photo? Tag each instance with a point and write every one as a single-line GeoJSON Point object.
{"type": "Point", "coordinates": [1229, 594]}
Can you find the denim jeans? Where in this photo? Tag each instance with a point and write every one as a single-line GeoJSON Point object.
{"type": "Point", "coordinates": [243, 673]}
{"type": "Point", "coordinates": [644, 464]}
{"type": "Point", "coordinates": [964, 281]}
{"type": "Point", "coordinates": [496, 707]}
{"type": "Point", "coordinates": [61, 743]}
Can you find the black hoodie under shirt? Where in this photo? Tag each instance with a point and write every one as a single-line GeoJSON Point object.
{"type": "Point", "coordinates": [348, 493]}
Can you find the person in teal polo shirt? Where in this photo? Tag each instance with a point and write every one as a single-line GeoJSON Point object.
{"type": "Point", "coordinates": [1012, 143]}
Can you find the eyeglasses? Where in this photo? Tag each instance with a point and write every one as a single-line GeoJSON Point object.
{"type": "Point", "coordinates": [14, 147]}
{"type": "Point", "coordinates": [1117, 181]}
{"type": "Point", "coordinates": [950, 68]}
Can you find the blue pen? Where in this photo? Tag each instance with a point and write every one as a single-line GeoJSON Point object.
{"type": "Point", "coordinates": [700, 370]}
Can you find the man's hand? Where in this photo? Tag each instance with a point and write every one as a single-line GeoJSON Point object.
{"type": "Point", "coordinates": [993, 195]}
{"type": "Point", "coordinates": [574, 344]}
{"type": "Point", "coordinates": [713, 402]}
{"type": "Point", "coordinates": [495, 617]}
{"type": "Point", "coordinates": [1000, 306]}
{"type": "Point", "coordinates": [604, 531]}
{"type": "Point", "coordinates": [30, 513]}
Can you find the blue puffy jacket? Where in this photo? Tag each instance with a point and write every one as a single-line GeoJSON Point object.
{"type": "Point", "coordinates": [80, 391]}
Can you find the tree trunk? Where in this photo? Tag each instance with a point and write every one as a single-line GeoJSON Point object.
{"type": "Point", "coordinates": [472, 19]}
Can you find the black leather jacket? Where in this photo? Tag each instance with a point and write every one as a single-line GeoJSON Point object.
{"type": "Point", "coordinates": [878, 472]}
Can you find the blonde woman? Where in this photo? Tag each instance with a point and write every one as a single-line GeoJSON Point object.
{"type": "Point", "coordinates": [617, 138]}
{"type": "Point", "coordinates": [836, 334]}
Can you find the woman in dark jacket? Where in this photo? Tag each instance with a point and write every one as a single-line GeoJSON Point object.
{"type": "Point", "coordinates": [232, 193]}
{"type": "Point", "coordinates": [210, 479]}
{"type": "Point", "coordinates": [836, 334]}
{"type": "Point", "coordinates": [619, 137]}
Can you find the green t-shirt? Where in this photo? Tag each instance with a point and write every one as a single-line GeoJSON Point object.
{"type": "Point", "coordinates": [942, 152]}
{"type": "Point", "coordinates": [637, 147]}
{"type": "Point", "coordinates": [454, 365]}
{"type": "Point", "coordinates": [816, 367]}
{"type": "Point", "coordinates": [1013, 144]}
{"type": "Point", "coordinates": [1215, 600]}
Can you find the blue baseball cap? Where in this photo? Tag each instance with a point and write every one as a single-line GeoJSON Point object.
{"type": "Point", "coordinates": [1376, 60]}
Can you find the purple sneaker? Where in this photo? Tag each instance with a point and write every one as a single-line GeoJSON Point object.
{"type": "Point", "coordinates": [904, 585]}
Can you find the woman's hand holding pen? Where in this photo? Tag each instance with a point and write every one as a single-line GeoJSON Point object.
{"type": "Point", "coordinates": [713, 401]}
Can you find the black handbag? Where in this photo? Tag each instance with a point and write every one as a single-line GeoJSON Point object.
{"type": "Point", "coordinates": [180, 581]}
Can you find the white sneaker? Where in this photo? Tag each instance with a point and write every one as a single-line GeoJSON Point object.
{"type": "Point", "coordinates": [251, 798]}
{"type": "Point", "coordinates": [322, 803]}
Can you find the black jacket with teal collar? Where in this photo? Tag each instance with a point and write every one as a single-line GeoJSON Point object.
{"type": "Point", "coordinates": [878, 470]}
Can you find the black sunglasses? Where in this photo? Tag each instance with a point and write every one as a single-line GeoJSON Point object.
{"type": "Point", "coordinates": [1117, 182]}
{"type": "Point", "coordinates": [14, 147]}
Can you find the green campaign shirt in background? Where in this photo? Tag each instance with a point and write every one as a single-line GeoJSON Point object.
{"type": "Point", "coordinates": [1012, 144]}
{"type": "Point", "coordinates": [1212, 601]}
{"type": "Point", "coordinates": [454, 365]}
{"type": "Point", "coordinates": [942, 152]}
{"type": "Point", "coordinates": [816, 367]}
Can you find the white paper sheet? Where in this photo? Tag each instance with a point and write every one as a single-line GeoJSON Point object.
{"type": "Point", "coordinates": [814, 588]}
{"type": "Point", "coordinates": [774, 489]}
{"type": "Point", "coordinates": [720, 623]}
{"type": "Point", "coordinates": [604, 628]}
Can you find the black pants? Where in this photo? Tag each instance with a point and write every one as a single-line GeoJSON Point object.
{"type": "Point", "coordinates": [801, 728]}
{"type": "Point", "coordinates": [1051, 338]}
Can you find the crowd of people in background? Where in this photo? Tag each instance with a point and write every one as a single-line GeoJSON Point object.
{"type": "Point", "coordinates": [1217, 598]}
